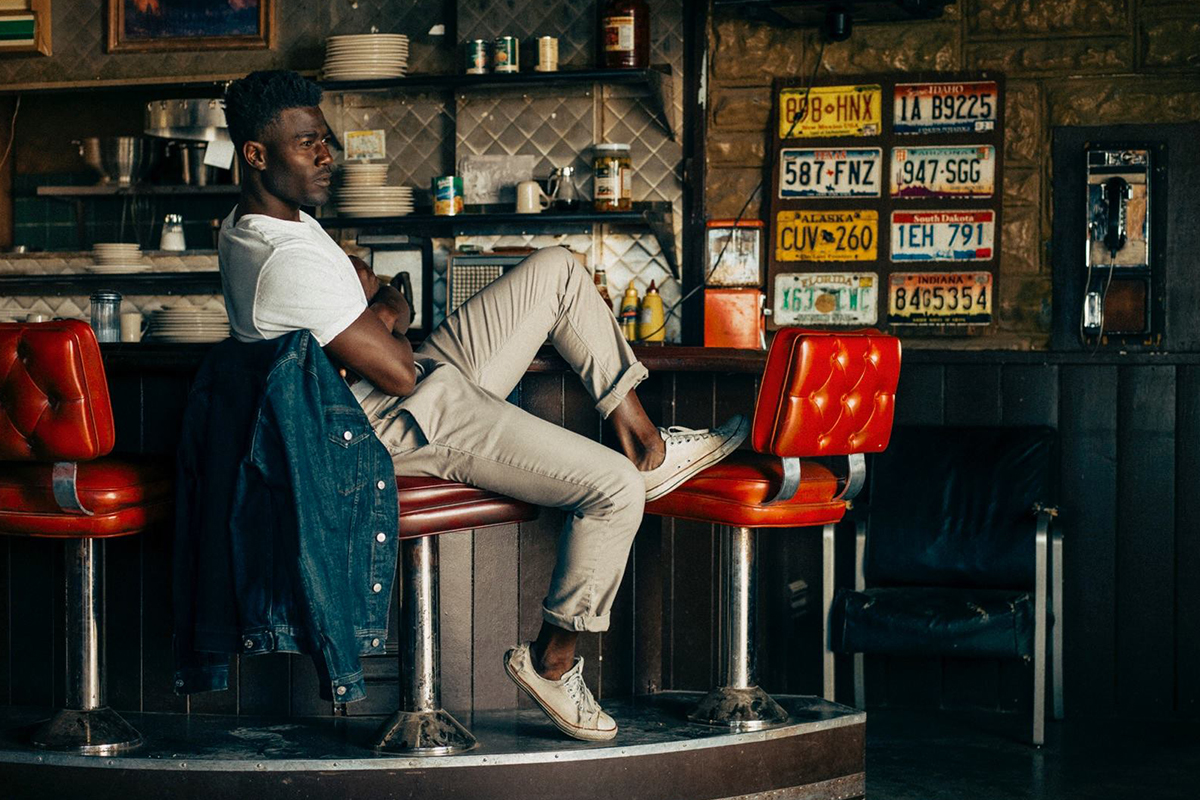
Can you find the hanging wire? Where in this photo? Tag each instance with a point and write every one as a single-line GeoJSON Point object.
{"type": "Point", "coordinates": [749, 199]}
{"type": "Point", "coordinates": [12, 132]}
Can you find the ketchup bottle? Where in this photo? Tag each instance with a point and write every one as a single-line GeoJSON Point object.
{"type": "Point", "coordinates": [625, 35]}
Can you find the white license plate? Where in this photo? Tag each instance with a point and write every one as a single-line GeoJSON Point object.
{"type": "Point", "coordinates": [940, 298]}
{"type": "Point", "coordinates": [953, 107]}
{"type": "Point", "coordinates": [827, 298]}
{"type": "Point", "coordinates": [944, 171]}
{"type": "Point", "coordinates": [808, 172]}
{"type": "Point", "coordinates": [943, 235]}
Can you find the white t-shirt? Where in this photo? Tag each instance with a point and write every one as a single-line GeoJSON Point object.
{"type": "Point", "coordinates": [280, 276]}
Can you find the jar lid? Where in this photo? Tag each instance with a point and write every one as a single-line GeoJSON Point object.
{"type": "Point", "coordinates": [610, 147]}
{"type": "Point", "coordinates": [105, 295]}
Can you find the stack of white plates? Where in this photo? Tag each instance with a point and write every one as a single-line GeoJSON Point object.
{"type": "Point", "coordinates": [368, 55]}
{"type": "Point", "coordinates": [361, 174]}
{"type": "Point", "coordinates": [189, 325]}
{"type": "Point", "coordinates": [374, 201]}
{"type": "Point", "coordinates": [113, 257]}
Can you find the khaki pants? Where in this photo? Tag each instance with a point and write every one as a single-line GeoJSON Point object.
{"type": "Point", "coordinates": [458, 426]}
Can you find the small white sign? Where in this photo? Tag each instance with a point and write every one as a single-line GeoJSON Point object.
{"type": "Point", "coordinates": [365, 145]}
{"type": "Point", "coordinates": [219, 154]}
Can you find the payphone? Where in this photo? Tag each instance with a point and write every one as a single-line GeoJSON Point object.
{"type": "Point", "coordinates": [1119, 286]}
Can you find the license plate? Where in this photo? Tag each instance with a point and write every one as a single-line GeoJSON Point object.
{"type": "Point", "coordinates": [940, 298]}
{"type": "Point", "coordinates": [807, 172]}
{"type": "Point", "coordinates": [831, 298]}
{"type": "Point", "coordinates": [826, 235]}
{"type": "Point", "coordinates": [966, 107]}
{"type": "Point", "coordinates": [943, 171]}
{"type": "Point", "coordinates": [832, 111]}
{"type": "Point", "coordinates": [943, 235]}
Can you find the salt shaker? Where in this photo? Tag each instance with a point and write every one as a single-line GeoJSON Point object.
{"type": "Point", "coordinates": [172, 233]}
{"type": "Point", "coordinates": [106, 315]}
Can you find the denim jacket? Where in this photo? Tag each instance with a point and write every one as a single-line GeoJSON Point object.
{"type": "Point", "coordinates": [286, 518]}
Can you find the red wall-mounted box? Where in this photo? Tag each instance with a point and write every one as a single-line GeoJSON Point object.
{"type": "Point", "coordinates": [734, 318]}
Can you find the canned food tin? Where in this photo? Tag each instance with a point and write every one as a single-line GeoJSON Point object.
{"type": "Point", "coordinates": [547, 54]}
{"type": "Point", "coordinates": [506, 54]}
{"type": "Point", "coordinates": [447, 195]}
{"type": "Point", "coordinates": [476, 56]}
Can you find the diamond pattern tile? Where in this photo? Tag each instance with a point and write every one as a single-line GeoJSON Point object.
{"type": "Point", "coordinates": [426, 136]}
{"type": "Point", "coordinates": [572, 21]}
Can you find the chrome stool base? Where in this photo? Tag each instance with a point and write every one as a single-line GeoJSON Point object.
{"type": "Point", "coordinates": [424, 733]}
{"type": "Point", "coordinates": [99, 732]}
{"type": "Point", "coordinates": [740, 709]}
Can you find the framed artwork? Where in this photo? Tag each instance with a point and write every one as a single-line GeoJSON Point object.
{"type": "Point", "coordinates": [25, 26]}
{"type": "Point", "coordinates": [141, 26]}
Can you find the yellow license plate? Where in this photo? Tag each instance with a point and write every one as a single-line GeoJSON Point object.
{"type": "Point", "coordinates": [830, 111]}
{"type": "Point", "coordinates": [826, 235]}
{"type": "Point", "coordinates": [940, 298]}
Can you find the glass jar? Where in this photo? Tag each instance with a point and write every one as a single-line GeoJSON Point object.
{"type": "Point", "coordinates": [106, 316]}
{"type": "Point", "coordinates": [625, 35]}
{"type": "Point", "coordinates": [612, 178]}
{"type": "Point", "coordinates": [172, 234]}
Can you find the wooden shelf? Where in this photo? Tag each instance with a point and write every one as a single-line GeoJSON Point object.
{"type": "Point", "coordinates": [656, 215]}
{"type": "Point", "coordinates": [659, 80]}
{"type": "Point", "coordinates": [112, 189]}
{"type": "Point", "coordinates": [134, 283]}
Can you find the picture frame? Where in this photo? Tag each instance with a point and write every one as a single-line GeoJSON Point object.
{"type": "Point", "coordinates": [146, 26]}
{"type": "Point", "coordinates": [25, 27]}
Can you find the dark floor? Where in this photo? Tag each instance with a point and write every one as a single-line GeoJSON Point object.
{"type": "Point", "coordinates": [938, 756]}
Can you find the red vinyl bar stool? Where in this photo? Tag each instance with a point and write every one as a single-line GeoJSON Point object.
{"type": "Point", "coordinates": [430, 507]}
{"type": "Point", "coordinates": [821, 394]}
{"type": "Point", "coordinates": [56, 424]}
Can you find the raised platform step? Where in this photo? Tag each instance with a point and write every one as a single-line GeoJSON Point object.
{"type": "Point", "coordinates": [817, 755]}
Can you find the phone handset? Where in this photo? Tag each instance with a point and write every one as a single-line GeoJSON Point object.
{"type": "Point", "coordinates": [1116, 198]}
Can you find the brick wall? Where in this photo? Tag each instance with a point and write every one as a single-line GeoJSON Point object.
{"type": "Point", "coordinates": [1068, 62]}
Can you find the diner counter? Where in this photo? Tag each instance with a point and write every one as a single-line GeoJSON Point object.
{"type": "Point", "coordinates": [186, 358]}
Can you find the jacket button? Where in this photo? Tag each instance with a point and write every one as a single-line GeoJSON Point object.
{"type": "Point", "coordinates": [341, 690]}
{"type": "Point", "coordinates": [374, 643]}
{"type": "Point", "coordinates": [249, 644]}
{"type": "Point", "coordinates": [377, 588]}
{"type": "Point", "coordinates": [380, 485]}
{"type": "Point", "coordinates": [381, 537]}
{"type": "Point", "coordinates": [347, 436]}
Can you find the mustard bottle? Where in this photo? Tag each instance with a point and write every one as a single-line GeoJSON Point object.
{"type": "Point", "coordinates": [629, 313]}
{"type": "Point", "coordinates": [651, 327]}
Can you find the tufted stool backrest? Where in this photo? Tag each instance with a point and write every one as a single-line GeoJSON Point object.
{"type": "Point", "coordinates": [827, 394]}
{"type": "Point", "coordinates": [54, 402]}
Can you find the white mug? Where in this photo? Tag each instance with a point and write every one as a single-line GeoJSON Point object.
{"type": "Point", "coordinates": [530, 198]}
{"type": "Point", "coordinates": [132, 327]}
{"type": "Point", "coordinates": [38, 318]}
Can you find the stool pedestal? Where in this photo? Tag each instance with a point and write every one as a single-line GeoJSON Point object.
{"type": "Point", "coordinates": [421, 727]}
{"type": "Point", "coordinates": [738, 702]}
{"type": "Point", "coordinates": [86, 725]}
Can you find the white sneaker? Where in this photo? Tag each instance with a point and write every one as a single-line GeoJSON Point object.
{"type": "Point", "coordinates": [689, 451]}
{"type": "Point", "coordinates": [567, 701]}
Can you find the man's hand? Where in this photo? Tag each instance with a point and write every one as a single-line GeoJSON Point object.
{"type": "Point", "coordinates": [366, 276]}
{"type": "Point", "coordinates": [386, 301]}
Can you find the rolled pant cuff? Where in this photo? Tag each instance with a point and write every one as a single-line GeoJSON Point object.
{"type": "Point", "coordinates": [592, 624]}
{"type": "Point", "coordinates": [634, 374]}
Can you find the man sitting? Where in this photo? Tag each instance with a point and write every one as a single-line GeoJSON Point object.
{"type": "Point", "coordinates": [440, 410]}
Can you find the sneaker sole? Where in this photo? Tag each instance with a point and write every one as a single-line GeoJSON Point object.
{"type": "Point", "coordinates": [583, 734]}
{"type": "Point", "coordinates": [681, 477]}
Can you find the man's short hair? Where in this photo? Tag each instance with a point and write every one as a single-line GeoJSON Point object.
{"type": "Point", "coordinates": [252, 103]}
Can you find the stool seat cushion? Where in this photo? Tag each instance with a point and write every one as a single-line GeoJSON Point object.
{"type": "Point", "coordinates": [734, 491]}
{"type": "Point", "coordinates": [430, 506]}
{"type": "Point", "coordinates": [124, 496]}
{"type": "Point", "coordinates": [983, 623]}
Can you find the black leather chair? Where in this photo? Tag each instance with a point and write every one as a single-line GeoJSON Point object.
{"type": "Point", "coordinates": [956, 554]}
